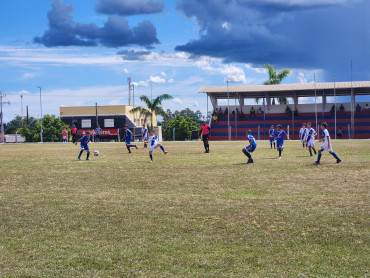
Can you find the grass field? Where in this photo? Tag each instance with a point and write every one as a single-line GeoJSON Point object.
{"type": "Point", "coordinates": [188, 214]}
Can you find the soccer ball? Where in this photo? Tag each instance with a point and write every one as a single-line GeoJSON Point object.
{"type": "Point", "coordinates": [96, 153]}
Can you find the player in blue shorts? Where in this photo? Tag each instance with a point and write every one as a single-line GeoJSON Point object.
{"type": "Point", "coordinates": [128, 138]}
{"type": "Point", "coordinates": [272, 136]}
{"type": "Point", "coordinates": [279, 134]}
{"type": "Point", "coordinates": [252, 146]}
{"type": "Point", "coordinates": [84, 145]}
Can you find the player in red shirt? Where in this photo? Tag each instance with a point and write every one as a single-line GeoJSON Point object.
{"type": "Point", "coordinates": [205, 130]}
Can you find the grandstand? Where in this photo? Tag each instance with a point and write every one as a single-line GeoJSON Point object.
{"type": "Point", "coordinates": [232, 125]}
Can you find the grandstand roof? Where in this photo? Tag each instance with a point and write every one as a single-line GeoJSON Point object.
{"type": "Point", "coordinates": [288, 90]}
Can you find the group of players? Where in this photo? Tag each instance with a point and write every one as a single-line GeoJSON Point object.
{"type": "Point", "coordinates": [307, 135]}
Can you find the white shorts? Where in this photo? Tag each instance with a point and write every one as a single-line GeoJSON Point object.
{"type": "Point", "coordinates": [311, 143]}
{"type": "Point", "coordinates": [64, 137]}
{"type": "Point", "coordinates": [152, 147]}
{"type": "Point", "coordinates": [325, 147]}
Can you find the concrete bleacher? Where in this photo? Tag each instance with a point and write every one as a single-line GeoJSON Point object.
{"type": "Point", "coordinates": [219, 131]}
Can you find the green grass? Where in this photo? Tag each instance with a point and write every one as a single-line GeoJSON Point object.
{"type": "Point", "coordinates": [188, 214]}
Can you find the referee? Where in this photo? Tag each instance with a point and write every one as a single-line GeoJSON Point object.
{"type": "Point", "coordinates": [205, 130]}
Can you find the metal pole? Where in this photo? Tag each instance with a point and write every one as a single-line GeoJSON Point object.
{"type": "Point", "coordinates": [236, 127]}
{"type": "Point", "coordinates": [207, 110]}
{"type": "Point", "coordinates": [349, 132]}
{"type": "Point", "coordinates": [264, 117]}
{"type": "Point", "coordinates": [41, 116]}
{"type": "Point", "coordinates": [1, 116]}
{"type": "Point", "coordinates": [228, 110]}
{"type": "Point", "coordinates": [258, 132]}
{"type": "Point", "coordinates": [173, 134]}
{"type": "Point", "coordinates": [129, 90]}
{"type": "Point", "coordinates": [335, 110]}
{"type": "Point", "coordinates": [314, 82]}
{"type": "Point", "coordinates": [352, 107]}
{"type": "Point", "coordinates": [22, 108]}
{"type": "Point", "coordinates": [96, 114]}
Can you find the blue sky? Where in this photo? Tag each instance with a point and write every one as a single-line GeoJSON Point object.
{"type": "Point", "coordinates": [81, 52]}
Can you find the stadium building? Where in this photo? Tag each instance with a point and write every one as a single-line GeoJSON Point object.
{"type": "Point", "coordinates": [308, 103]}
{"type": "Point", "coordinates": [111, 120]}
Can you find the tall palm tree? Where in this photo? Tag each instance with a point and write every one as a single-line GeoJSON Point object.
{"type": "Point", "coordinates": [276, 78]}
{"type": "Point", "coordinates": [153, 107]}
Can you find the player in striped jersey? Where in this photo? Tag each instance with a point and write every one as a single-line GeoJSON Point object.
{"type": "Point", "coordinates": [310, 138]}
{"type": "Point", "coordinates": [302, 134]}
{"type": "Point", "coordinates": [326, 146]}
{"type": "Point", "coordinates": [154, 143]}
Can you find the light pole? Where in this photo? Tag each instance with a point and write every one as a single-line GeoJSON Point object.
{"type": "Point", "coordinates": [228, 109]}
{"type": "Point", "coordinates": [22, 108]}
{"type": "Point", "coordinates": [41, 115]}
{"type": "Point", "coordinates": [1, 116]}
{"type": "Point", "coordinates": [335, 110]}
{"type": "Point", "coordinates": [314, 83]}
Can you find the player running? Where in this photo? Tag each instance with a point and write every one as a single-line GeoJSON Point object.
{"type": "Point", "coordinates": [84, 145]}
{"type": "Point", "coordinates": [310, 138]}
{"type": "Point", "coordinates": [272, 136]}
{"type": "Point", "coordinates": [97, 134]}
{"type": "Point", "coordinates": [326, 146]}
{"type": "Point", "coordinates": [302, 134]}
{"type": "Point", "coordinates": [279, 134]}
{"type": "Point", "coordinates": [252, 146]}
{"type": "Point", "coordinates": [128, 138]}
{"type": "Point", "coordinates": [205, 129]}
{"type": "Point", "coordinates": [144, 134]}
{"type": "Point", "coordinates": [154, 143]}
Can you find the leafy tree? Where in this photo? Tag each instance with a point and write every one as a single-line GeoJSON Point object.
{"type": "Point", "coordinates": [52, 129]}
{"type": "Point", "coordinates": [183, 127]}
{"type": "Point", "coordinates": [276, 78]}
{"type": "Point", "coordinates": [153, 107]}
{"type": "Point", "coordinates": [12, 126]}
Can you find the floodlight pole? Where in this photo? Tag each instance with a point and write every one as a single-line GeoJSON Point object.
{"type": "Point", "coordinates": [314, 83]}
{"type": "Point", "coordinates": [22, 108]}
{"type": "Point", "coordinates": [129, 90]}
{"type": "Point", "coordinates": [1, 116]}
{"type": "Point", "coordinates": [228, 110]}
{"type": "Point", "coordinates": [335, 110]}
{"type": "Point", "coordinates": [41, 116]}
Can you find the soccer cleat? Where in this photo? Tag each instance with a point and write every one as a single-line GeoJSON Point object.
{"type": "Point", "coordinates": [339, 161]}
{"type": "Point", "coordinates": [316, 163]}
{"type": "Point", "coordinates": [250, 160]}
{"type": "Point", "coordinates": [136, 147]}
{"type": "Point", "coordinates": [279, 157]}
{"type": "Point", "coordinates": [87, 158]}
{"type": "Point", "coordinates": [165, 152]}
{"type": "Point", "coordinates": [151, 161]}
{"type": "Point", "coordinates": [79, 158]}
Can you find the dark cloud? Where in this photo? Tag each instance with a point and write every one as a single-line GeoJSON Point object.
{"type": "Point", "coordinates": [64, 31]}
{"type": "Point", "coordinates": [287, 33]}
{"type": "Point", "coordinates": [133, 55]}
{"type": "Point", "coordinates": [129, 7]}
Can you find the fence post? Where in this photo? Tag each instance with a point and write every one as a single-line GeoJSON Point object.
{"type": "Point", "coordinates": [258, 132]}
{"type": "Point", "coordinates": [288, 132]}
{"type": "Point", "coordinates": [173, 134]}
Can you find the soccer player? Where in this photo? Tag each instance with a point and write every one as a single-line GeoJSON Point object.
{"type": "Point", "coordinates": [302, 134]}
{"type": "Point", "coordinates": [310, 138]}
{"type": "Point", "coordinates": [154, 143]}
{"type": "Point", "coordinates": [204, 129]}
{"type": "Point", "coordinates": [74, 133]}
{"type": "Point", "coordinates": [97, 132]}
{"type": "Point", "coordinates": [144, 134]}
{"type": "Point", "coordinates": [128, 138]}
{"type": "Point", "coordinates": [84, 145]}
{"type": "Point", "coordinates": [252, 146]}
{"type": "Point", "coordinates": [272, 136]}
{"type": "Point", "coordinates": [65, 136]}
{"type": "Point", "coordinates": [326, 146]}
{"type": "Point", "coordinates": [279, 134]}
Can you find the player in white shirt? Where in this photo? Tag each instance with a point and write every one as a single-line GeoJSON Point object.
{"type": "Point", "coordinates": [144, 133]}
{"type": "Point", "coordinates": [154, 143]}
{"type": "Point", "coordinates": [326, 146]}
{"type": "Point", "coordinates": [302, 134]}
{"type": "Point", "coordinates": [310, 138]}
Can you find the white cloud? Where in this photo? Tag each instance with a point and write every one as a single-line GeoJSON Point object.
{"type": "Point", "coordinates": [226, 25]}
{"type": "Point", "coordinates": [126, 71]}
{"type": "Point", "coordinates": [28, 75]}
{"type": "Point", "coordinates": [195, 104]}
{"type": "Point", "coordinates": [258, 70]}
{"type": "Point", "coordinates": [157, 79]}
{"type": "Point", "coordinates": [301, 77]}
{"type": "Point", "coordinates": [163, 73]}
{"type": "Point", "coordinates": [231, 72]}
{"type": "Point", "coordinates": [177, 101]}
{"type": "Point", "coordinates": [171, 80]}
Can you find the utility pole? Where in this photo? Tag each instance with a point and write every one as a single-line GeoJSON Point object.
{"type": "Point", "coordinates": [1, 116]}
{"type": "Point", "coordinates": [27, 120]}
{"type": "Point", "coordinates": [129, 90]}
{"type": "Point", "coordinates": [41, 115]}
{"type": "Point", "coordinates": [22, 108]}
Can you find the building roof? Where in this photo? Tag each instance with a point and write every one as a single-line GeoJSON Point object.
{"type": "Point", "coordinates": [289, 90]}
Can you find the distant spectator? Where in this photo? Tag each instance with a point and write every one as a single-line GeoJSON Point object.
{"type": "Point", "coordinates": [252, 112]}
{"type": "Point", "coordinates": [366, 109]}
{"type": "Point", "coordinates": [340, 133]}
{"type": "Point", "coordinates": [241, 115]}
{"type": "Point", "coordinates": [288, 110]}
{"type": "Point", "coordinates": [65, 136]}
{"type": "Point", "coordinates": [358, 108]}
{"type": "Point", "coordinates": [332, 109]}
{"type": "Point", "coordinates": [296, 112]}
{"type": "Point", "coordinates": [97, 134]}
{"type": "Point", "coordinates": [341, 108]}
{"type": "Point", "coordinates": [259, 111]}
{"type": "Point", "coordinates": [220, 111]}
{"type": "Point", "coordinates": [214, 119]}
{"type": "Point", "coordinates": [226, 111]}
{"type": "Point", "coordinates": [74, 133]}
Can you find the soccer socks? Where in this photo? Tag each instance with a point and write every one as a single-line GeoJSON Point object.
{"type": "Point", "coordinates": [335, 155]}
{"type": "Point", "coordinates": [279, 152]}
{"type": "Point", "coordinates": [319, 157]}
{"type": "Point", "coordinates": [162, 149]}
{"type": "Point", "coordinates": [128, 147]}
{"type": "Point", "coordinates": [151, 157]}
{"type": "Point", "coordinates": [247, 154]}
{"type": "Point", "coordinates": [271, 145]}
{"type": "Point", "coordinates": [87, 156]}
{"type": "Point", "coordinates": [314, 150]}
{"type": "Point", "coordinates": [145, 145]}
{"type": "Point", "coordinates": [310, 152]}
{"type": "Point", "coordinates": [80, 153]}
{"type": "Point", "coordinates": [303, 145]}
{"type": "Point", "coordinates": [274, 145]}
{"type": "Point", "coordinates": [207, 147]}
{"type": "Point", "coordinates": [134, 146]}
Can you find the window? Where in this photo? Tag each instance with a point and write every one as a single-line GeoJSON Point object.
{"type": "Point", "coordinates": [86, 123]}
{"type": "Point", "coordinates": [108, 122]}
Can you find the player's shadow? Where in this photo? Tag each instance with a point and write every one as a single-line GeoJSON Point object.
{"type": "Point", "coordinates": [241, 163]}
{"type": "Point", "coordinates": [269, 158]}
{"type": "Point", "coordinates": [302, 156]}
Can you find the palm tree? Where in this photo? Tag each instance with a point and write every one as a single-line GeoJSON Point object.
{"type": "Point", "coordinates": [153, 107]}
{"type": "Point", "coordinates": [275, 78]}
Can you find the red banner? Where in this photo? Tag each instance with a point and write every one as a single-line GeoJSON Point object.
{"type": "Point", "coordinates": [104, 132]}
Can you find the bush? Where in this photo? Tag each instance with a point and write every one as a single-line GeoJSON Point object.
{"type": "Point", "coordinates": [183, 127]}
